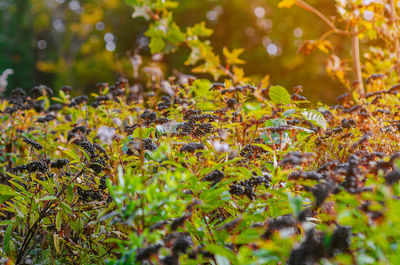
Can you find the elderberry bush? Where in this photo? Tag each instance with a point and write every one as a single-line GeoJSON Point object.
{"type": "Point", "coordinates": [145, 180]}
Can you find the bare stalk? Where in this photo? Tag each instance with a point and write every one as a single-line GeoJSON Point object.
{"type": "Point", "coordinates": [355, 51]}
{"type": "Point", "coordinates": [395, 24]}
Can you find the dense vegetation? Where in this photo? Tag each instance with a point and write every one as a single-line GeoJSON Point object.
{"type": "Point", "coordinates": [184, 170]}
{"type": "Point", "coordinates": [199, 172]}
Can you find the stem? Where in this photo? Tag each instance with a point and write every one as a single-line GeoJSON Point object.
{"type": "Point", "coordinates": [326, 20]}
{"type": "Point", "coordinates": [395, 24]}
{"type": "Point", "coordinates": [31, 232]}
{"type": "Point", "coordinates": [355, 51]}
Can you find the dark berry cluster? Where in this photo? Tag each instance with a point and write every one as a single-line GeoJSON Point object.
{"type": "Point", "coordinates": [348, 123]}
{"type": "Point", "coordinates": [191, 147]}
{"type": "Point", "coordinates": [103, 184]}
{"type": "Point", "coordinates": [148, 116]}
{"type": "Point", "coordinates": [33, 143]}
{"type": "Point", "coordinates": [89, 195]}
{"type": "Point", "coordinates": [97, 165]}
{"type": "Point", "coordinates": [101, 150]}
{"type": "Point", "coordinates": [317, 246]}
{"type": "Point", "coordinates": [89, 148]}
{"type": "Point", "coordinates": [279, 223]}
{"type": "Point", "coordinates": [215, 177]}
{"type": "Point", "coordinates": [55, 107]}
{"type": "Point", "coordinates": [78, 100]}
{"type": "Point", "coordinates": [145, 253]}
{"type": "Point", "coordinates": [296, 158]}
{"type": "Point", "coordinates": [201, 129]}
{"type": "Point", "coordinates": [59, 163]}
{"type": "Point", "coordinates": [231, 103]}
{"type": "Point", "coordinates": [251, 151]}
{"type": "Point", "coordinates": [38, 91]}
{"type": "Point", "coordinates": [248, 186]}
{"type": "Point", "coordinates": [35, 166]}
{"type": "Point", "coordinates": [47, 118]}
{"type": "Point", "coordinates": [66, 89]}
{"type": "Point", "coordinates": [144, 144]}
{"type": "Point", "coordinates": [164, 104]}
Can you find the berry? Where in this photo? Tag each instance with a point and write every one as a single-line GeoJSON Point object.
{"type": "Point", "coordinates": [88, 147]}
{"type": "Point", "coordinates": [146, 252]}
{"type": "Point", "coordinates": [98, 165]}
{"type": "Point", "coordinates": [33, 143]}
{"type": "Point", "coordinates": [37, 166]}
{"type": "Point", "coordinates": [215, 177]}
{"type": "Point", "coordinates": [59, 163]}
{"type": "Point", "coordinates": [191, 147]}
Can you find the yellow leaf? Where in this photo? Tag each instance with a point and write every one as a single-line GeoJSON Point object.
{"type": "Point", "coordinates": [232, 57]}
{"type": "Point", "coordinates": [286, 3]}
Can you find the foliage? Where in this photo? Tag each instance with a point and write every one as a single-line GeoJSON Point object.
{"type": "Point", "coordinates": [135, 177]}
{"type": "Point", "coordinates": [183, 170]}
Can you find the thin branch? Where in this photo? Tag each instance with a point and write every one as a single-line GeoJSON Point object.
{"type": "Point", "coordinates": [326, 20]}
{"type": "Point", "coordinates": [31, 232]}
{"type": "Point", "coordinates": [355, 50]}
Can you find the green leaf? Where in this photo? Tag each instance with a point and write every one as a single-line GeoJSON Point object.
{"type": "Point", "coordinates": [296, 202]}
{"type": "Point", "coordinates": [222, 251]}
{"type": "Point", "coordinates": [66, 208]}
{"type": "Point", "coordinates": [175, 35]}
{"type": "Point", "coordinates": [156, 45]}
{"type": "Point", "coordinates": [315, 117]}
{"type": "Point", "coordinates": [201, 87]}
{"type": "Point", "coordinates": [7, 239]}
{"type": "Point", "coordinates": [7, 190]}
{"type": "Point", "coordinates": [48, 198]}
{"type": "Point", "coordinates": [199, 30]}
{"type": "Point", "coordinates": [279, 95]}
{"type": "Point", "coordinates": [58, 220]}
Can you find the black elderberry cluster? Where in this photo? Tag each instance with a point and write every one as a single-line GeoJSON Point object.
{"type": "Point", "coordinates": [248, 186]}
{"type": "Point", "coordinates": [315, 247]}
{"type": "Point", "coordinates": [191, 147]}
{"type": "Point", "coordinates": [192, 127]}
{"type": "Point", "coordinates": [165, 103]}
{"type": "Point", "coordinates": [89, 148]}
{"type": "Point", "coordinates": [280, 223]}
{"type": "Point", "coordinates": [231, 103]}
{"type": "Point", "coordinates": [77, 133]}
{"type": "Point", "coordinates": [251, 151]}
{"type": "Point", "coordinates": [97, 165]}
{"type": "Point", "coordinates": [89, 195]}
{"type": "Point", "coordinates": [101, 150]}
{"type": "Point", "coordinates": [55, 107]}
{"type": "Point", "coordinates": [37, 166]}
{"type": "Point", "coordinates": [148, 144]}
{"type": "Point", "coordinates": [66, 89]}
{"type": "Point", "coordinates": [59, 163]}
{"type": "Point", "coordinates": [33, 143]}
{"type": "Point", "coordinates": [296, 158]}
{"type": "Point", "coordinates": [103, 184]}
{"type": "Point", "coordinates": [78, 100]}
{"type": "Point", "coordinates": [148, 116]}
{"type": "Point", "coordinates": [215, 177]}
{"type": "Point", "coordinates": [38, 91]}
{"type": "Point", "coordinates": [348, 123]}
{"type": "Point", "coordinates": [47, 118]}
{"type": "Point", "coordinates": [240, 89]}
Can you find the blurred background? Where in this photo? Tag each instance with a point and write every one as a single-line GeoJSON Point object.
{"type": "Point", "coordinates": [83, 42]}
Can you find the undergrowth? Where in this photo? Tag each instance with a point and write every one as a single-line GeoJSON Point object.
{"type": "Point", "coordinates": [194, 172]}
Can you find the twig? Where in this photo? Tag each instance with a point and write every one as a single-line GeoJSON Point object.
{"type": "Point", "coordinates": [355, 51]}
{"type": "Point", "coordinates": [31, 232]}
{"type": "Point", "coordinates": [326, 20]}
